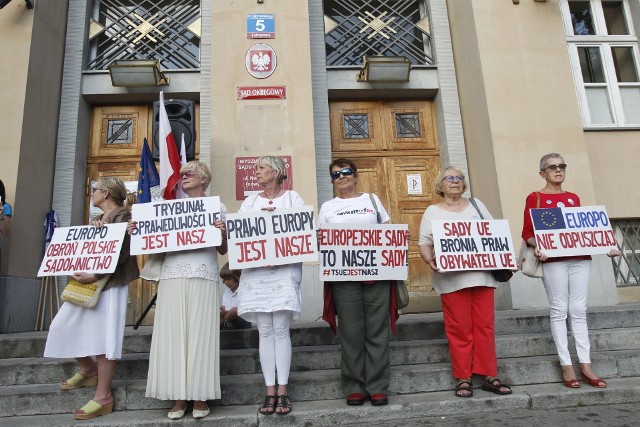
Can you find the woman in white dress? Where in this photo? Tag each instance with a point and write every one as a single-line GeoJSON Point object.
{"type": "Point", "coordinates": [185, 346]}
{"type": "Point", "coordinates": [270, 296]}
{"type": "Point", "coordinates": [86, 332]}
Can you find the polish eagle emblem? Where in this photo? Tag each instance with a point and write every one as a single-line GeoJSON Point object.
{"type": "Point", "coordinates": [261, 60]}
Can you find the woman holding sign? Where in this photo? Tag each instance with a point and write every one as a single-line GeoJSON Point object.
{"type": "Point", "coordinates": [362, 307]}
{"type": "Point", "coordinates": [86, 332]}
{"type": "Point", "coordinates": [185, 347]}
{"type": "Point", "coordinates": [467, 296]}
{"type": "Point", "coordinates": [270, 296]}
{"type": "Point", "coordinates": [565, 279]}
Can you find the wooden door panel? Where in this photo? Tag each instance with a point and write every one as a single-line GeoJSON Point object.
{"type": "Point", "coordinates": [357, 126]}
{"type": "Point", "coordinates": [119, 131]}
{"type": "Point", "coordinates": [409, 125]}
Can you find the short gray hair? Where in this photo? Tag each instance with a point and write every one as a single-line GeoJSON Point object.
{"type": "Point", "coordinates": [544, 159]}
{"type": "Point", "coordinates": [437, 184]}
{"type": "Point", "coordinates": [275, 163]}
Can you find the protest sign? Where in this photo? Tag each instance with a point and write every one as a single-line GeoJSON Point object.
{"type": "Point", "coordinates": [85, 249]}
{"type": "Point", "coordinates": [564, 231]}
{"type": "Point", "coordinates": [473, 245]}
{"type": "Point", "coordinates": [263, 238]}
{"type": "Point", "coordinates": [175, 225]}
{"type": "Point", "coordinates": [357, 252]}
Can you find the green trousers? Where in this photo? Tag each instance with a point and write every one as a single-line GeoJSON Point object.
{"type": "Point", "coordinates": [363, 324]}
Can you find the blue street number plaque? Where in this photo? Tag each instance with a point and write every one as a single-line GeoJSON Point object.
{"type": "Point", "coordinates": [261, 26]}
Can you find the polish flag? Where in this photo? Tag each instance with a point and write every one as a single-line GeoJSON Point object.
{"type": "Point", "coordinates": [169, 157]}
{"type": "Point", "coordinates": [180, 194]}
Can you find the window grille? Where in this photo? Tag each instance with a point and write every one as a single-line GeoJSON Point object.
{"type": "Point", "coordinates": [627, 267]}
{"type": "Point", "coordinates": [167, 30]}
{"type": "Point", "coordinates": [388, 28]}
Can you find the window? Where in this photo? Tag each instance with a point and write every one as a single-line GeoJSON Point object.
{"type": "Point", "coordinates": [627, 267]}
{"type": "Point", "coordinates": [604, 55]}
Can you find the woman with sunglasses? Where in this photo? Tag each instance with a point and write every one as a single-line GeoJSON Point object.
{"type": "Point", "coordinates": [185, 345]}
{"type": "Point", "coordinates": [467, 296]}
{"type": "Point", "coordinates": [270, 296]}
{"type": "Point", "coordinates": [362, 306]}
{"type": "Point", "coordinates": [565, 279]}
{"type": "Point", "coordinates": [99, 331]}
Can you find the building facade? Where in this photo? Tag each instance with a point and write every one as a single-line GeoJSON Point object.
{"type": "Point", "coordinates": [493, 86]}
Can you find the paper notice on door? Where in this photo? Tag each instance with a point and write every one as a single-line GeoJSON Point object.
{"type": "Point", "coordinates": [414, 184]}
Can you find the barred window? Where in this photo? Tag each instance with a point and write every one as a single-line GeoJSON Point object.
{"type": "Point", "coordinates": [627, 267]}
{"type": "Point", "coordinates": [166, 30]}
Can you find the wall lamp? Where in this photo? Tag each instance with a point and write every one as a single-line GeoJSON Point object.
{"type": "Point", "coordinates": [384, 69]}
{"type": "Point", "coordinates": [137, 72]}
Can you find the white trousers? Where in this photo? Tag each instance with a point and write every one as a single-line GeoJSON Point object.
{"type": "Point", "coordinates": [275, 346]}
{"type": "Point", "coordinates": [567, 285]}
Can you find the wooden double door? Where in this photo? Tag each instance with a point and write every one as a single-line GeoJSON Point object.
{"type": "Point", "coordinates": [116, 141]}
{"type": "Point", "coordinates": [394, 144]}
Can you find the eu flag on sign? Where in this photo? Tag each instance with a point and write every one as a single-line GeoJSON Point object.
{"type": "Point", "coordinates": [147, 175]}
{"type": "Point", "coordinates": [547, 219]}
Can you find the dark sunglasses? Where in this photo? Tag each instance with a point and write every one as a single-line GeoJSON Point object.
{"type": "Point", "coordinates": [561, 166]}
{"type": "Point", "coordinates": [345, 172]}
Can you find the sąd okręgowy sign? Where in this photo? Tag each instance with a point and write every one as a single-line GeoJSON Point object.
{"type": "Point", "coordinates": [175, 225]}
{"type": "Point", "coordinates": [356, 252]}
{"type": "Point", "coordinates": [85, 249]}
{"type": "Point", "coordinates": [473, 245]}
{"type": "Point", "coordinates": [281, 236]}
{"type": "Point", "coordinates": [563, 231]}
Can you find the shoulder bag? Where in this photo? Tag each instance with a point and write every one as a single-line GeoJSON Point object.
{"type": "Point", "coordinates": [530, 265]}
{"type": "Point", "coordinates": [402, 293]}
{"type": "Point", "coordinates": [502, 275]}
{"type": "Point", "coordinates": [84, 294]}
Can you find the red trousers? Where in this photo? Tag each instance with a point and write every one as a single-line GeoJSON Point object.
{"type": "Point", "coordinates": [469, 324]}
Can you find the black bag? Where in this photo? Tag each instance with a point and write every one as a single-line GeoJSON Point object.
{"type": "Point", "coordinates": [501, 276]}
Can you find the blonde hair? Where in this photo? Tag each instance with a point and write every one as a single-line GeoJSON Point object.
{"type": "Point", "coordinates": [200, 169]}
{"type": "Point", "coordinates": [116, 189]}
{"type": "Point", "coordinates": [437, 185]}
{"type": "Point", "coordinates": [275, 163]}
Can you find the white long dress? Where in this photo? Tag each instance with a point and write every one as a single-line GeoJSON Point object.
{"type": "Point", "coordinates": [269, 289]}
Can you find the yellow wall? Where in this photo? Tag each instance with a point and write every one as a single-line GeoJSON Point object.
{"type": "Point", "coordinates": [16, 22]}
{"type": "Point", "coordinates": [261, 127]}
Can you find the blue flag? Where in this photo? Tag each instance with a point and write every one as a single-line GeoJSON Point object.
{"type": "Point", "coordinates": [147, 175]}
{"type": "Point", "coordinates": [547, 219]}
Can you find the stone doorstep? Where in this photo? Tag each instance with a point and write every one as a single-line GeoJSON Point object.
{"type": "Point", "coordinates": [315, 385]}
{"type": "Point", "coordinates": [335, 412]}
{"type": "Point", "coordinates": [232, 362]}
{"type": "Point", "coordinates": [410, 327]}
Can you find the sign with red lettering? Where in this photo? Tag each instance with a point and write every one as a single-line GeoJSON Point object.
{"type": "Point", "coordinates": [261, 92]}
{"type": "Point", "coordinates": [85, 249]}
{"type": "Point", "coordinates": [263, 238]}
{"type": "Point", "coordinates": [357, 252]}
{"type": "Point", "coordinates": [175, 225]}
{"type": "Point", "coordinates": [246, 183]}
{"type": "Point", "coordinates": [473, 245]}
{"type": "Point", "coordinates": [564, 231]}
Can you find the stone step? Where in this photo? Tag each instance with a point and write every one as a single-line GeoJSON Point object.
{"type": "Point", "coordinates": [248, 389]}
{"type": "Point", "coordinates": [410, 327]}
{"type": "Point", "coordinates": [24, 371]}
{"type": "Point", "coordinates": [336, 412]}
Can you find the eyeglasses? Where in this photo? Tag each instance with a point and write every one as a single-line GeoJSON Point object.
{"type": "Point", "coordinates": [561, 166]}
{"type": "Point", "coordinates": [344, 172]}
{"type": "Point", "coordinates": [450, 178]}
{"type": "Point", "coordinates": [94, 189]}
{"type": "Point", "coordinates": [188, 174]}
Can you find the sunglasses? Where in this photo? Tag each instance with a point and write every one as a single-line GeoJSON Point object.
{"type": "Point", "coordinates": [561, 166]}
{"type": "Point", "coordinates": [453, 178]}
{"type": "Point", "coordinates": [188, 174]}
{"type": "Point", "coordinates": [344, 172]}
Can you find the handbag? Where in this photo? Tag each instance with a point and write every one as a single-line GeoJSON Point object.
{"type": "Point", "coordinates": [84, 294]}
{"type": "Point", "coordinates": [530, 265]}
{"type": "Point", "coordinates": [504, 274]}
{"type": "Point", "coordinates": [400, 286]}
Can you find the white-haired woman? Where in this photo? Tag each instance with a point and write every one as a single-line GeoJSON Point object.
{"type": "Point", "coordinates": [99, 331]}
{"type": "Point", "coordinates": [185, 347]}
{"type": "Point", "coordinates": [270, 296]}
{"type": "Point", "coordinates": [467, 296]}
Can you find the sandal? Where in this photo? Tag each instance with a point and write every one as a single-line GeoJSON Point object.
{"type": "Point", "coordinates": [494, 385]}
{"type": "Point", "coordinates": [593, 382]}
{"type": "Point", "coordinates": [77, 381]}
{"type": "Point", "coordinates": [284, 404]}
{"type": "Point", "coordinates": [93, 409]}
{"type": "Point", "coordinates": [463, 388]}
{"type": "Point", "coordinates": [268, 406]}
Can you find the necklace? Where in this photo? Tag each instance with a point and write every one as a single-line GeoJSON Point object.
{"type": "Point", "coordinates": [274, 196]}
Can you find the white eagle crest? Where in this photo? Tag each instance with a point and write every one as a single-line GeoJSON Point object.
{"type": "Point", "coordinates": [261, 61]}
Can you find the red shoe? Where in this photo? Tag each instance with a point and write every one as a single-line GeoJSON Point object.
{"type": "Point", "coordinates": [593, 382]}
{"type": "Point", "coordinates": [574, 383]}
{"type": "Point", "coordinates": [355, 399]}
{"type": "Point", "coordinates": [378, 399]}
